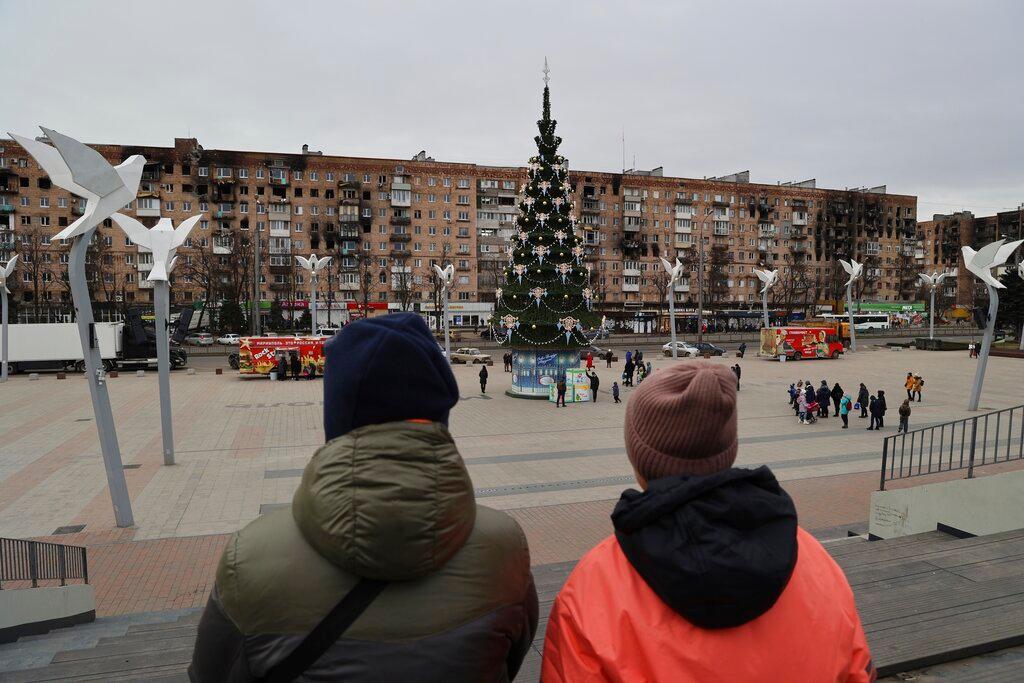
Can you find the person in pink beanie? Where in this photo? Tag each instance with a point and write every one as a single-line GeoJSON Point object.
{"type": "Point", "coordinates": [708, 576]}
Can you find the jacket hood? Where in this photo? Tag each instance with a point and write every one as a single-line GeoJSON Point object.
{"type": "Point", "coordinates": [718, 549]}
{"type": "Point", "coordinates": [391, 501]}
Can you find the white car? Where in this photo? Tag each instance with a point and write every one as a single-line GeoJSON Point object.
{"type": "Point", "coordinates": [682, 349]}
{"type": "Point", "coordinates": [200, 339]}
{"type": "Point", "coordinates": [328, 331]}
{"type": "Point", "coordinates": [228, 340]}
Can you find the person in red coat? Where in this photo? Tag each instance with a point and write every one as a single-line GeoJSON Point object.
{"type": "Point", "coordinates": [590, 360]}
{"type": "Point", "coordinates": [708, 576]}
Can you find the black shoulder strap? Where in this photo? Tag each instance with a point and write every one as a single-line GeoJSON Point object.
{"type": "Point", "coordinates": [326, 633]}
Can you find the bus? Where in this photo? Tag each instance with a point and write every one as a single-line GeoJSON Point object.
{"type": "Point", "coordinates": [861, 321]}
{"type": "Point", "coordinates": [794, 342]}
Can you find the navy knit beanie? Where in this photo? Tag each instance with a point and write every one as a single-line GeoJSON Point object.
{"type": "Point", "coordinates": [383, 370]}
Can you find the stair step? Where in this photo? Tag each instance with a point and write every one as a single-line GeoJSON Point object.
{"type": "Point", "coordinates": [121, 647]}
{"type": "Point", "coordinates": [160, 634]}
{"type": "Point", "coordinates": [133, 667]}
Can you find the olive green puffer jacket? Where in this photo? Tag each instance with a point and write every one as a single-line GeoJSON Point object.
{"type": "Point", "coordinates": [392, 502]}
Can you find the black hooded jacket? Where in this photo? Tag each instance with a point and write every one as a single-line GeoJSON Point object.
{"type": "Point", "coordinates": [717, 549]}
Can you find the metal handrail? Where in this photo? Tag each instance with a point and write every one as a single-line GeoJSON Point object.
{"type": "Point", "coordinates": [35, 561]}
{"type": "Point", "coordinates": [956, 445]}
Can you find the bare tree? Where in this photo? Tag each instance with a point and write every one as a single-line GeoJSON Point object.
{"type": "Point", "coordinates": [403, 282]}
{"type": "Point", "coordinates": [717, 276]}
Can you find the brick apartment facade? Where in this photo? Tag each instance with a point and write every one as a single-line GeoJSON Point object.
{"type": "Point", "coordinates": [942, 237]}
{"type": "Point", "coordinates": [386, 221]}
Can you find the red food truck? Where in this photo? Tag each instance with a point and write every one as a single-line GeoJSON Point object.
{"type": "Point", "coordinates": [259, 355]}
{"type": "Point", "coordinates": [798, 343]}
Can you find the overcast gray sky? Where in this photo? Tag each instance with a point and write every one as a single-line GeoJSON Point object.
{"type": "Point", "coordinates": [923, 96]}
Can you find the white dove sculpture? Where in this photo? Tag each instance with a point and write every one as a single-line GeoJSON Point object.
{"type": "Point", "coordinates": [935, 279]}
{"type": "Point", "coordinates": [163, 240]}
{"type": "Point", "coordinates": [83, 171]}
{"type": "Point", "coordinates": [313, 264]}
{"type": "Point", "coordinates": [852, 268]}
{"type": "Point", "coordinates": [990, 256]}
{"type": "Point", "coordinates": [446, 275]}
{"type": "Point", "coordinates": [6, 271]}
{"type": "Point", "coordinates": [768, 277]}
{"type": "Point", "coordinates": [675, 272]}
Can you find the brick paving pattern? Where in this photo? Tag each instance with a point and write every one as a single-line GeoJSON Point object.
{"type": "Point", "coordinates": [241, 444]}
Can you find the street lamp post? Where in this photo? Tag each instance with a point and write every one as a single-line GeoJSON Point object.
{"type": "Point", "coordinates": [446, 276]}
{"type": "Point", "coordinates": [313, 266]}
{"type": "Point", "coordinates": [5, 273]}
{"type": "Point", "coordinates": [675, 276]}
{"type": "Point", "coordinates": [854, 270]}
{"type": "Point", "coordinates": [981, 263]}
{"type": "Point", "coordinates": [932, 281]}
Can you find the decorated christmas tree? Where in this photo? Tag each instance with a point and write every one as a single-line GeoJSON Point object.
{"type": "Point", "coordinates": [544, 310]}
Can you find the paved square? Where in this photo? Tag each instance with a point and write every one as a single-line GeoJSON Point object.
{"type": "Point", "coordinates": [242, 444]}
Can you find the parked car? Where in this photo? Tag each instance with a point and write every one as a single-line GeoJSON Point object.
{"type": "Point", "coordinates": [469, 355]}
{"type": "Point", "coordinates": [682, 349]}
{"type": "Point", "coordinates": [707, 347]}
{"type": "Point", "coordinates": [228, 340]}
{"type": "Point", "coordinates": [328, 331]}
{"type": "Point", "coordinates": [598, 352]}
{"type": "Point", "coordinates": [200, 339]}
{"type": "Point", "coordinates": [456, 336]}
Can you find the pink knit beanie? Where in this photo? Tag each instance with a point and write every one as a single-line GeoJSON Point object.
{"type": "Point", "coordinates": [682, 420]}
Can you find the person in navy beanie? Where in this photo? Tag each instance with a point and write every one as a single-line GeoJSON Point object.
{"type": "Point", "coordinates": [385, 369]}
{"type": "Point", "coordinates": [384, 568]}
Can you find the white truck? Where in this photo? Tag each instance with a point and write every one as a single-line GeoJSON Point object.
{"type": "Point", "coordinates": [57, 346]}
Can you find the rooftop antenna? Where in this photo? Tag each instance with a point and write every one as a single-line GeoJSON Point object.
{"type": "Point", "coordinates": [546, 71]}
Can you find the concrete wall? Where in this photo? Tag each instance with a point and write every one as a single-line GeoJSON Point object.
{"type": "Point", "coordinates": [983, 505]}
{"type": "Point", "coordinates": [25, 611]}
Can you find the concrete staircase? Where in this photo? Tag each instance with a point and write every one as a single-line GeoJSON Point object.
{"type": "Point", "coordinates": [155, 646]}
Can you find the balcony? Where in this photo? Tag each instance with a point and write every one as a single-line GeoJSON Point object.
{"type": "Point", "coordinates": [223, 245]}
{"type": "Point", "coordinates": [798, 247]}
{"type": "Point", "coordinates": [798, 234]}
{"type": "Point", "coordinates": [631, 271]}
{"type": "Point", "coordinates": [151, 211]}
{"type": "Point", "coordinates": [225, 179]}
{"type": "Point", "coordinates": [348, 286]}
{"type": "Point", "coordinates": [6, 208]}
{"type": "Point", "coordinates": [630, 287]}
{"type": "Point", "coordinates": [629, 227]}
{"type": "Point", "coordinates": [400, 251]}
{"type": "Point", "coordinates": [349, 231]}
{"type": "Point", "coordinates": [682, 287]}
{"type": "Point", "coordinates": [401, 194]}
{"type": "Point", "coordinates": [349, 185]}
{"type": "Point", "coordinates": [143, 282]}
{"type": "Point", "coordinates": [766, 231]}
{"type": "Point", "coordinates": [401, 237]}
{"type": "Point", "coordinates": [279, 179]}
{"type": "Point", "coordinates": [279, 212]}
{"type": "Point", "coordinates": [401, 220]}
{"type": "Point", "coordinates": [685, 211]}
{"type": "Point", "coordinates": [873, 248]}
{"type": "Point", "coordinates": [591, 207]}
{"type": "Point", "coordinates": [799, 218]}
{"type": "Point", "coordinates": [764, 245]}
{"type": "Point", "coordinates": [224, 213]}
{"type": "Point", "coordinates": [280, 286]}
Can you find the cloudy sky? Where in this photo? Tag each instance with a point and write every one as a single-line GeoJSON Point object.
{"type": "Point", "coordinates": [923, 96]}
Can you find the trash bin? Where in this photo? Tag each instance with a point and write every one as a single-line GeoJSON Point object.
{"type": "Point", "coordinates": [273, 375]}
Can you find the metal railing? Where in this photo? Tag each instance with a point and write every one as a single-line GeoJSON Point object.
{"type": "Point", "coordinates": [36, 561]}
{"type": "Point", "coordinates": [958, 445]}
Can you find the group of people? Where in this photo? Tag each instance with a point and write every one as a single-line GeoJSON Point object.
{"type": "Point", "coordinates": [809, 403]}
{"type": "Point", "coordinates": [635, 365]}
{"type": "Point", "coordinates": [298, 370]}
{"type": "Point", "coordinates": [385, 568]}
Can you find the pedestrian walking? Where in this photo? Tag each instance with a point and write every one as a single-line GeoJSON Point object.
{"type": "Point", "coordinates": [873, 410]}
{"type": "Point", "coordinates": [882, 408]}
{"type": "Point", "coordinates": [837, 396]}
{"type": "Point", "coordinates": [595, 383]}
{"type": "Point", "coordinates": [560, 393]}
{"type": "Point", "coordinates": [483, 379]}
{"type": "Point", "coordinates": [743, 348]}
{"type": "Point", "coordinates": [801, 407]}
{"type": "Point", "coordinates": [737, 371]}
{"type": "Point", "coordinates": [918, 384]}
{"type": "Point", "coordinates": [845, 403]}
{"type": "Point", "coordinates": [627, 375]}
{"type": "Point", "coordinates": [615, 392]}
{"type": "Point", "coordinates": [629, 356]}
{"type": "Point", "coordinates": [862, 399]}
{"type": "Point", "coordinates": [904, 417]}
{"type": "Point", "coordinates": [909, 386]}
{"type": "Point", "coordinates": [792, 393]}
{"type": "Point", "coordinates": [824, 396]}
{"type": "Point", "coordinates": [608, 358]}
{"type": "Point", "coordinates": [809, 392]}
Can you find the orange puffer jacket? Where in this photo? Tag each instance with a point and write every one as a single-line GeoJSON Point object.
{"type": "Point", "coordinates": [707, 579]}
